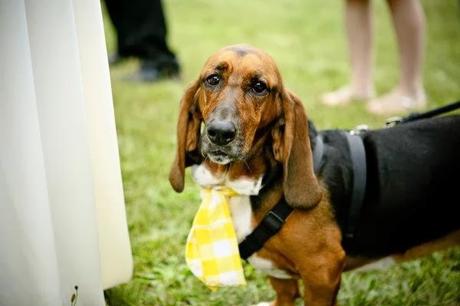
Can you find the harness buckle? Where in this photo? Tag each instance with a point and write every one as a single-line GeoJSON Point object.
{"type": "Point", "coordinates": [358, 130]}
{"type": "Point", "coordinates": [392, 121]}
{"type": "Point", "coordinates": [272, 222]}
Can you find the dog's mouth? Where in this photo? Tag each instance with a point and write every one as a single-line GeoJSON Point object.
{"type": "Point", "coordinates": [219, 156]}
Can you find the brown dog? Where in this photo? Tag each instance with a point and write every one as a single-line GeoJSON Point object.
{"type": "Point", "coordinates": [256, 141]}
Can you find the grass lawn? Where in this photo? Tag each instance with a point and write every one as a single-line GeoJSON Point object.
{"type": "Point", "coordinates": [307, 40]}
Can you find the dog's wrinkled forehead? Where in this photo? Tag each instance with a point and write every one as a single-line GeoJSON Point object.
{"type": "Point", "coordinates": [242, 61]}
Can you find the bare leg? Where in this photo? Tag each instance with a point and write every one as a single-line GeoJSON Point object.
{"type": "Point", "coordinates": [409, 24]}
{"type": "Point", "coordinates": [358, 22]}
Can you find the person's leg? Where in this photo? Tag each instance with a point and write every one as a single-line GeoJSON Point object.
{"type": "Point", "coordinates": [159, 61]}
{"type": "Point", "coordinates": [140, 26]}
{"type": "Point", "coordinates": [141, 32]}
{"type": "Point", "coordinates": [409, 24]}
{"type": "Point", "coordinates": [358, 22]}
{"type": "Point", "coordinates": [116, 13]}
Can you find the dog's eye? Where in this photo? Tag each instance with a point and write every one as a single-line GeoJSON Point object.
{"type": "Point", "coordinates": [259, 88]}
{"type": "Point", "coordinates": [213, 80]}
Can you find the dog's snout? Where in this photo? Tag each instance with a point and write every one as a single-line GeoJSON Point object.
{"type": "Point", "coordinates": [221, 132]}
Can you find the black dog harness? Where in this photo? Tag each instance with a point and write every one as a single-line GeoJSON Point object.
{"type": "Point", "coordinates": [273, 221]}
{"type": "Point", "coordinates": [358, 160]}
{"type": "Point", "coordinates": [275, 218]}
{"type": "Point", "coordinates": [268, 227]}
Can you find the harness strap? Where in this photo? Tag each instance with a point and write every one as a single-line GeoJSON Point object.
{"type": "Point", "coordinates": [318, 152]}
{"type": "Point", "coordinates": [273, 221]}
{"type": "Point", "coordinates": [358, 159]}
{"type": "Point", "coordinates": [268, 227]}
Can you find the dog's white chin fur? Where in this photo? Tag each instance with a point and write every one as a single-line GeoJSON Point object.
{"type": "Point", "coordinates": [220, 160]}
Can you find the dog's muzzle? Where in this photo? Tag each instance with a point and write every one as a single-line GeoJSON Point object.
{"type": "Point", "coordinates": [221, 143]}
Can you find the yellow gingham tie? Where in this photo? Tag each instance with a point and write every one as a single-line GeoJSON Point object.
{"type": "Point", "coordinates": [211, 251]}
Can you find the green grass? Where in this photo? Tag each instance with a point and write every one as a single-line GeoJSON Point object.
{"type": "Point", "coordinates": [306, 39]}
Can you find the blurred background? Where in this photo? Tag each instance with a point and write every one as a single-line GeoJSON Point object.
{"type": "Point", "coordinates": [307, 39]}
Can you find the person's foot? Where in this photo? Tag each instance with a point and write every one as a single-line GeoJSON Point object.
{"type": "Point", "coordinates": [344, 96]}
{"type": "Point", "coordinates": [155, 70]}
{"type": "Point", "coordinates": [395, 102]}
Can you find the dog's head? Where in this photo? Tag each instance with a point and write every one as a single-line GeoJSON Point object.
{"type": "Point", "coordinates": [240, 99]}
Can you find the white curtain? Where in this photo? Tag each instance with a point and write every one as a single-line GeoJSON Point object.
{"type": "Point", "coordinates": [62, 216]}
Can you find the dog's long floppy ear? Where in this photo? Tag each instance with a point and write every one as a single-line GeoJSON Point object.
{"type": "Point", "coordinates": [291, 146]}
{"type": "Point", "coordinates": [188, 135]}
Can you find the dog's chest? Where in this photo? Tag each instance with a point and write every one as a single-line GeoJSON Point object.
{"type": "Point", "coordinates": [240, 207]}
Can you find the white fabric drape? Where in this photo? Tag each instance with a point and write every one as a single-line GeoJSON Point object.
{"type": "Point", "coordinates": [62, 217]}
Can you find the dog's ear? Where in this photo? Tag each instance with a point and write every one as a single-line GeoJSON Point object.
{"type": "Point", "coordinates": [291, 146]}
{"type": "Point", "coordinates": [188, 136]}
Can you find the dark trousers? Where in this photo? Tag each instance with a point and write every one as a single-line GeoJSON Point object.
{"type": "Point", "coordinates": [141, 28]}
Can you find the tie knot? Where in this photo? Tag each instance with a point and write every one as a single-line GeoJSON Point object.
{"type": "Point", "coordinates": [223, 190]}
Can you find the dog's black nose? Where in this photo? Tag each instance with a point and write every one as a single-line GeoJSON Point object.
{"type": "Point", "coordinates": [221, 132]}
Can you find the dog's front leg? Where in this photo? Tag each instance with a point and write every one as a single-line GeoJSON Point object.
{"type": "Point", "coordinates": [322, 284]}
{"type": "Point", "coordinates": [287, 290]}
{"type": "Point", "coordinates": [320, 293]}
{"type": "Point", "coordinates": [322, 280]}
